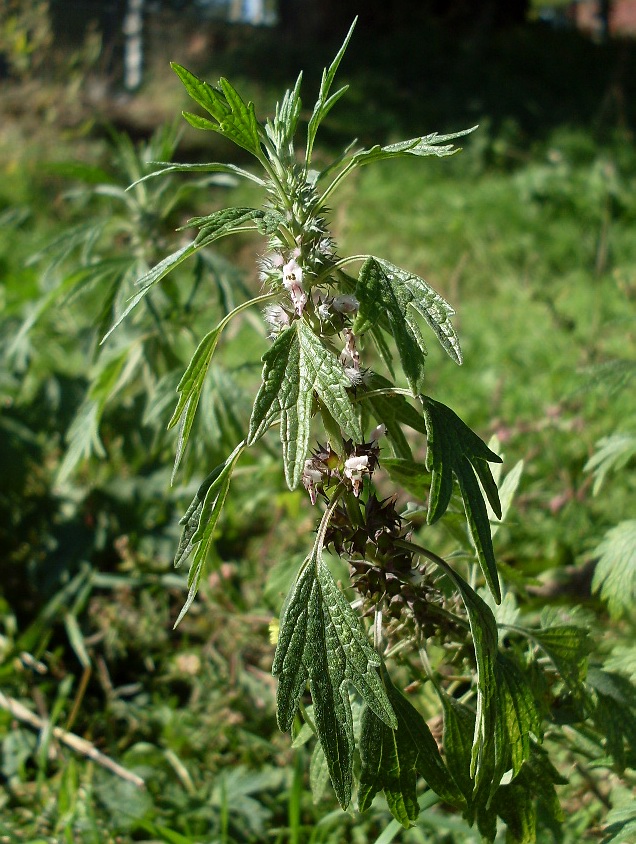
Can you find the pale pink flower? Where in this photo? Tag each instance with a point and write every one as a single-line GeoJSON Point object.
{"type": "Point", "coordinates": [293, 283]}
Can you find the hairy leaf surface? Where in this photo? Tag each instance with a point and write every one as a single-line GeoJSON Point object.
{"type": "Point", "coordinates": [422, 146]}
{"type": "Point", "coordinates": [568, 647]}
{"type": "Point", "coordinates": [321, 641]}
{"type": "Point", "coordinates": [191, 384]}
{"type": "Point", "coordinates": [235, 118]}
{"type": "Point", "coordinates": [295, 365]}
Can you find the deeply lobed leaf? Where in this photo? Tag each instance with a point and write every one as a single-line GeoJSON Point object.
{"type": "Point", "coordinates": [295, 365]}
{"type": "Point", "coordinates": [388, 294]}
{"type": "Point", "coordinates": [321, 641]}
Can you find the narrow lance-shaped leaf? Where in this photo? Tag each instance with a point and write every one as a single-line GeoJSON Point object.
{"type": "Point", "coordinates": [200, 523]}
{"type": "Point", "coordinates": [487, 755]}
{"type": "Point", "coordinates": [325, 102]}
{"type": "Point", "coordinates": [283, 127]}
{"type": "Point", "coordinates": [202, 92]}
{"type": "Point", "coordinates": [212, 167]}
{"type": "Point", "coordinates": [294, 366]}
{"type": "Point", "coordinates": [321, 640]}
{"type": "Point", "coordinates": [241, 125]}
{"type": "Point", "coordinates": [224, 223]}
{"type": "Point", "coordinates": [392, 760]}
{"type": "Point", "coordinates": [191, 384]}
{"type": "Point", "coordinates": [386, 292]}
{"type": "Point", "coordinates": [459, 730]}
{"type": "Point", "coordinates": [454, 449]}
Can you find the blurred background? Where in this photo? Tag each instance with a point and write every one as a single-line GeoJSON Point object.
{"type": "Point", "coordinates": [530, 233]}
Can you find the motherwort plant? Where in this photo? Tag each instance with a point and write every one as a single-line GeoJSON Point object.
{"type": "Point", "coordinates": [338, 328]}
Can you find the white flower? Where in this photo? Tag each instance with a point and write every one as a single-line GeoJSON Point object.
{"type": "Point", "coordinates": [355, 468]}
{"type": "Point", "coordinates": [293, 282]}
{"type": "Point", "coordinates": [292, 273]}
{"type": "Point", "coordinates": [350, 357]}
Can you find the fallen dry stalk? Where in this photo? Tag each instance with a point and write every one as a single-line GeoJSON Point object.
{"type": "Point", "coordinates": [75, 742]}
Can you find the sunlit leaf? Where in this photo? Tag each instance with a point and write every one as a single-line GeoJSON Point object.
{"type": "Point", "coordinates": [295, 365]}
{"type": "Point", "coordinates": [326, 102]}
{"type": "Point", "coordinates": [386, 292]}
{"type": "Point", "coordinates": [455, 450]}
{"type": "Point", "coordinates": [615, 573]}
{"type": "Point", "coordinates": [321, 641]}
{"type": "Point", "coordinates": [199, 523]}
{"type": "Point", "coordinates": [422, 146]}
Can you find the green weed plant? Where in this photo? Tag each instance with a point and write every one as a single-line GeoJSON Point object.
{"type": "Point", "coordinates": [331, 368]}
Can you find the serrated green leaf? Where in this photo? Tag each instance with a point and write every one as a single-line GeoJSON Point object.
{"type": "Point", "coordinates": [459, 730]}
{"type": "Point", "coordinates": [620, 825]}
{"type": "Point", "coordinates": [200, 523]}
{"type": "Point", "coordinates": [489, 742]}
{"type": "Point", "coordinates": [241, 125]}
{"type": "Point", "coordinates": [148, 281]}
{"type": "Point", "coordinates": [615, 573]}
{"type": "Point", "coordinates": [110, 375]}
{"type": "Point", "coordinates": [236, 119]}
{"type": "Point", "coordinates": [516, 803]}
{"type": "Point", "coordinates": [392, 759]}
{"type": "Point", "coordinates": [191, 384]}
{"type": "Point", "coordinates": [454, 449]}
{"type": "Point", "coordinates": [295, 365]}
{"type": "Point", "coordinates": [386, 292]}
{"type": "Point", "coordinates": [198, 122]}
{"type": "Point", "coordinates": [222, 221]}
{"type": "Point", "coordinates": [422, 146]}
{"type": "Point", "coordinates": [318, 773]}
{"type": "Point", "coordinates": [202, 93]}
{"type": "Point", "coordinates": [615, 715]}
{"type": "Point", "coordinates": [283, 127]}
{"type": "Point", "coordinates": [222, 227]}
{"type": "Point", "coordinates": [322, 641]}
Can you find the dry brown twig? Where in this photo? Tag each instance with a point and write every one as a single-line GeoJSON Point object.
{"type": "Point", "coordinates": [75, 742]}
